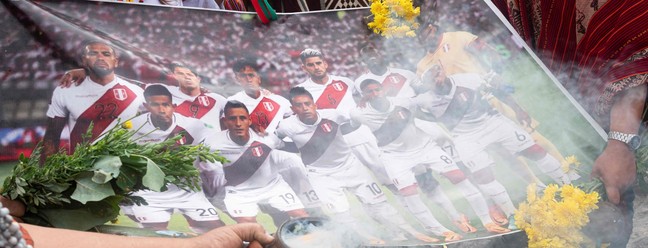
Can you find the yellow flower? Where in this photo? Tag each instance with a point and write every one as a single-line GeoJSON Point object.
{"type": "Point", "coordinates": [394, 18]}
{"type": "Point", "coordinates": [127, 125]}
{"type": "Point", "coordinates": [570, 163]}
{"type": "Point", "coordinates": [555, 218]}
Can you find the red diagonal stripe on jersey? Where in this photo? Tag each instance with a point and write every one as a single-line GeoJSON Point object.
{"type": "Point", "coordinates": [320, 141]}
{"type": "Point", "coordinates": [264, 112]}
{"type": "Point", "coordinates": [248, 163]}
{"type": "Point", "coordinates": [186, 137]}
{"type": "Point", "coordinates": [332, 95]}
{"type": "Point", "coordinates": [393, 126]}
{"type": "Point", "coordinates": [393, 83]}
{"type": "Point", "coordinates": [198, 108]}
{"type": "Point", "coordinates": [101, 113]}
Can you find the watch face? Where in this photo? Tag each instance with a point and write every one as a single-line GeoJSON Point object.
{"type": "Point", "coordinates": [634, 142]}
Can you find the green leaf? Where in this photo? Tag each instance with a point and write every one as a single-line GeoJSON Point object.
{"type": "Point", "coordinates": [108, 164]}
{"type": "Point", "coordinates": [134, 161]}
{"type": "Point", "coordinates": [101, 177]}
{"type": "Point", "coordinates": [127, 178]}
{"type": "Point", "coordinates": [84, 218]}
{"type": "Point", "coordinates": [87, 190]}
{"type": "Point", "coordinates": [154, 177]}
{"type": "Point", "coordinates": [57, 187]}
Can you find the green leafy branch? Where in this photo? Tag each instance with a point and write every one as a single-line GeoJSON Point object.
{"type": "Point", "coordinates": [82, 190]}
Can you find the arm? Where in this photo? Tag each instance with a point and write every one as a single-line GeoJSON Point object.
{"type": "Point", "coordinates": [227, 236]}
{"type": "Point", "coordinates": [212, 177]}
{"type": "Point", "coordinates": [74, 76]}
{"type": "Point", "coordinates": [616, 165]}
{"type": "Point", "coordinates": [52, 137]}
{"type": "Point", "coordinates": [521, 115]}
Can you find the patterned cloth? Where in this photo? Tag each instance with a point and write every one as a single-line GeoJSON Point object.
{"type": "Point", "coordinates": [597, 48]}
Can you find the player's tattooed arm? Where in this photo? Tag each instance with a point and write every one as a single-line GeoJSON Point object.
{"type": "Point", "coordinates": [52, 137]}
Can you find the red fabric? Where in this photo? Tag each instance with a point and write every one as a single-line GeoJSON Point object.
{"type": "Point", "coordinates": [259, 11]}
{"type": "Point", "coordinates": [614, 33]}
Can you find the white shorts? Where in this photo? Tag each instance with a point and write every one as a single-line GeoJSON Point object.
{"type": "Point", "coordinates": [401, 169]}
{"type": "Point", "coordinates": [245, 203]}
{"type": "Point", "coordinates": [364, 146]}
{"type": "Point", "coordinates": [498, 129]}
{"type": "Point", "coordinates": [162, 204]}
{"type": "Point", "coordinates": [330, 185]}
{"type": "Point", "coordinates": [298, 181]}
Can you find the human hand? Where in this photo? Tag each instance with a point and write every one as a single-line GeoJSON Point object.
{"type": "Point", "coordinates": [74, 76]}
{"type": "Point", "coordinates": [16, 208]}
{"type": "Point", "coordinates": [260, 130]}
{"type": "Point", "coordinates": [616, 167]}
{"type": "Point", "coordinates": [234, 235]}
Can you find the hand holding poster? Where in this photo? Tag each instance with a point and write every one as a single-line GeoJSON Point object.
{"type": "Point", "coordinates": [448, 123]}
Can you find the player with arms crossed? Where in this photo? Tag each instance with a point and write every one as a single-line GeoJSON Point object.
{"type": "Point", "coordinates": [101, 101]}
{"type": "Point", "coordinates": [160, 124]}
{"type": "Point", "coordinates": [250, 176]}
{"type": "Point", "coordinates": [404, 147]}
{"type": "Point", "coordinates": [457, 102]}
{"type": "Point", "coordinates": [332, 167]}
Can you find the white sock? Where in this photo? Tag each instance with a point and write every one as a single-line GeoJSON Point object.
{"type": "Point", "coordinates": [423, 214]}
{"type": "Point", "coordinates": [551, 167]}
{"type": "Point", "coordinates": [397, 196]}
{"type": "Point", "coordinates": [476, 200]}
{"type": "Point", "coordinates": [441, 199]}
{"type": "Point", "coordinates": [496, 191]}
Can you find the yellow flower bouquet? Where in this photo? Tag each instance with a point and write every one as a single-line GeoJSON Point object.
{"type": "Point", "coordinates": [555, 219]}
{"type": "Point", "coordinates": [394, 18]}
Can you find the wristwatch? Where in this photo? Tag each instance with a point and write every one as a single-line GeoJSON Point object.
{"type": "Point", "coordinates": [632, 140]}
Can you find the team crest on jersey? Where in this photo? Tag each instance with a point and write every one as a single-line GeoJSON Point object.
{"type": "Point", "coordinates": [204, 100]}
{"type": "Point", "coordinates": [327, 127]}
{"type": "Point", "coordinates": [268, 106]}
{"type": "Point", "coordinates": [338, 86]}
{"type": "Point", "coordinates": [182, 140]}
{"type": "Point", "coordinates": [257, 151]}
{"type": "Point", "coordinates": [120, 94]}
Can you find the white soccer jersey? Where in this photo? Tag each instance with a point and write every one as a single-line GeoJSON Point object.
{"type": "Point", "coordinates": [321, 144]}
{"type": "Point", "coordinates": [394, 129]}
{"type": "Point", "coordinates": [265, 111]}
{"type": "Point", "coordinates": [251, 166]}
{"type": "Point", "coordinates": [464, 91]}
{"type": "Point", "coordinates": [160, 204]}
{"type": "Point", "coordinates": [101, 105]}
{"type": "Point", "coordinates": [207, 107]}
{"type": "Point", "coordinates": [193, 131]}
{"type": "Point", "coordinates": [336, 93]}
{"type": "Point", "coordinates": [395, 82]}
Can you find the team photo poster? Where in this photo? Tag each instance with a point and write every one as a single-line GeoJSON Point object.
{"type": "Point", "coordinates": [417, 140]}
